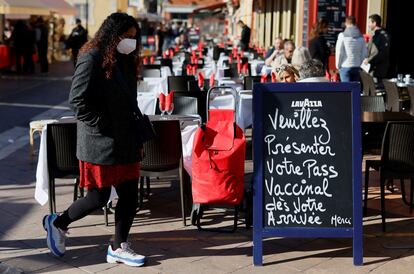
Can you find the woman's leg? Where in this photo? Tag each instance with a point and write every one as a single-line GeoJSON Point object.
{"type": "Point", "coordinates": [125, 210]}
{"type": "Point", "coordinates": [94, 199]}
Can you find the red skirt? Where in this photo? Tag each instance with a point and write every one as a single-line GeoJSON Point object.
{"type": "Point", "coordinates": [99, 176]}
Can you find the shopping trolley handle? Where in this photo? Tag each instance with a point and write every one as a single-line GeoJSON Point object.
{"type": "Point", "coordinates": [224, 90]}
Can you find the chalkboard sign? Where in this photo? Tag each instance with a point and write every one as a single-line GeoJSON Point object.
{"type": "Point", "coordinates": [307, 162]}
{"type": "Point", "coordinates": [335, 12]}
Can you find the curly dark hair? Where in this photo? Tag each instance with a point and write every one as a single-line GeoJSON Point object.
{"type": "Point", "coordinates": [107, 38]}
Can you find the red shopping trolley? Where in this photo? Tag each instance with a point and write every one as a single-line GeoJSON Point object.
{"type": "Point", "coordinates": [218, 160]}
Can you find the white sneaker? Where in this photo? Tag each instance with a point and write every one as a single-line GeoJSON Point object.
{"type": "Point", "coordinates": [55, 236]}
{"type": "Point", "coordinates": [125, 255]}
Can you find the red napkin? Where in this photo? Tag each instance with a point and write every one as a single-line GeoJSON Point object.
{"type": "Point", "coordinates": [145, 60]}
{"type": "Point", "coordinates": [188, 67]}
{"type": "Point", "coordinates": [162, 100]}
{"type": "Point", "coordinates": [274, 79]}
{"type": "Point", "coordinates": [211, 80]}
{"type": "Point", "coordinates": [200, 79]}
{"type": "Point", "coordinates": [169, 99]}
{"type": "Point", "coordinates": [171, 53]}
{"type": "Point", "coordinates": [328, 75]}
{"type": "Point", "coordinates": [194, 69]}
{"type": "Point", "coordinates": [230, 59]}
{"type": "Point", "coordinates": [245, 68]}
{"type": "Point", "coordinates": [164, 55]}
{"type": "Point", "coordinates": [238, 58]}
{"type": "Point", "coordinates": [177, 48]}
{"type": "Point", "coordinates": [152, 60]}
{"type": "Point", "coordinates": [242, 53]}
{"type": "Point", "coordinates": [200, 53]}
{"type": "Point", "coordinates": [263, 79]}
{"type": "Point", "coordinates": [193, 54]}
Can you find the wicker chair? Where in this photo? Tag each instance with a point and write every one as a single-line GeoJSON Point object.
{"type": "Point", "coordinates": [152, 73]}
{"type": "Point", "coordinates": [249, 81]}
{"type": "Point", "coordinates": [183, 105]}
{"type": "Point", "coordinates": [179, 82]}
{"type": "Point", "coordinates": [411, 94]}
{"type": "Point", "coordinates": [372, 103]}
{"type": "Point", "coordinates": [368, 85]}
{"type": "Point", "coordinates": [163, 157]}
{"type": "Point", "coordinates": [397, 162]}
{"type": "Point", "coordinates": [61, 158]}
{"type": "Point", "coordinates": [393, 98]}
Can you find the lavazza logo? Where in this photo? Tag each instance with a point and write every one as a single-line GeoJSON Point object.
{"type": "Point", "coordinates": [307, 103]}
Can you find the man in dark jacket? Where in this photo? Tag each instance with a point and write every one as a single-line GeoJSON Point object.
{"type": "Point", "coordinates": [378, 49]}
{"type": "Point", "coordinates": [245, 35]}
{"type": "Point", "coordinates": [77, 38]}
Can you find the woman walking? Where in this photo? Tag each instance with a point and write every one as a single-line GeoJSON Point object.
{"type": "Point", "coordinates": [103, 90]}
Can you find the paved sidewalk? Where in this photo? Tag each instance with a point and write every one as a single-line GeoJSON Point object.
{"type": "Point", "coordinates": [158, 233]}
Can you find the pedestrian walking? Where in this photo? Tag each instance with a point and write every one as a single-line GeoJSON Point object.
{"type": "Point", "coordinates": [318, 47]}
{"type": "Point", "coordinates": [350, 51]}
{"type": "Point", "coordinates": [104, 87]}
{"type": "Point", "coordinates": [77, 39]}
{"type": "Point", "coordinates": [378, 49]}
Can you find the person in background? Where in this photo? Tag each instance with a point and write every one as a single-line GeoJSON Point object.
{"type": "Point", "coordinates": [159, 39]}
{"type": "Point", "coordinates": [286, 57]}
{"type": "Point", "coordinates": [42, 32]}
{"type": "Point", "coordinates": [274, 51]}
{"type": "Point", "coordinates": [312, 71]}
{"type": "Point", "coordinates": [104, 89]}
{"type": "Point", "coordinates": [378, 49]}
{"type": "Point", "coordinates": [77, 38]}
{"type": "Point", "coordinates": [350, 51]}
{"type": "Point", "coordinates": [318, 47]}
{"type": "Point", "coordinates": [287, 74]}
{"type": "Point", "coordinates": [300, 55]}
{"type": "Point", "coordinates": [19, 42]}
{"type": "Point", "coordinates": [245, 35]}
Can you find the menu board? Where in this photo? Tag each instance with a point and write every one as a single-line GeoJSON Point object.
{"type": "Point", "coordinates": [335, 12]}
{"type": "Point", "coordinates": [307, 177]}
{"type": "Point", "coordinates": [307, 163]}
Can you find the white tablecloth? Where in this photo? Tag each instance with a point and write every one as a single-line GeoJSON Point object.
{"type": "Point", "coordinates": [153, 85]}
{"type": "Point", "coordinates": [147, 102]}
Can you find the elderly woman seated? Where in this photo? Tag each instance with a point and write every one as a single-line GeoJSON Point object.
{"type": "Point", "coordinates": [287, 73]}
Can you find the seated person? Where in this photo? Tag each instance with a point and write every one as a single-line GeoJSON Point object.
{"type": "Point", "coordinates": [287, 74]}
{"type": "Point", "coordinates": [312, 71]}
{"type": "Point", "coordinates": [274, 51]}
{"type": "Point", "coordinates": [300, 56]}
{"type": "Point", "coordinates": [286, 57]}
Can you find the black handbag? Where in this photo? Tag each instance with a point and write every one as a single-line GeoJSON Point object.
{"type": "Point", "coordinates": [146, 131]}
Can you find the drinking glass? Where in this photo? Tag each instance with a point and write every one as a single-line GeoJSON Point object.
{"type": "Point", "coordinates": [162, 109]}
{"type": "Point", "coordinates": [170, 110]}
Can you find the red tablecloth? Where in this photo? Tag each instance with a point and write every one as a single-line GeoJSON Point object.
{"type": "Point", "coordinates": [4, 56]}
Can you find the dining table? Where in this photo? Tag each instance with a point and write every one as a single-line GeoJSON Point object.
{"type": "Point", "coordinates": [188, 125]}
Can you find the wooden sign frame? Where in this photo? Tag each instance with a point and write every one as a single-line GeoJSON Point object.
{"type": "Point", "coordinates": [259, 230]}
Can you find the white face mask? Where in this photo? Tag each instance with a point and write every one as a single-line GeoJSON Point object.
{"type": "Point", "coordinates": [127, 45]}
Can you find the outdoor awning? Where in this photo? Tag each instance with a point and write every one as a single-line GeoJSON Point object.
{"type": "Point", "coordinates": [36, 7]}
{"type": "Point", "coordinates": [210, 8]}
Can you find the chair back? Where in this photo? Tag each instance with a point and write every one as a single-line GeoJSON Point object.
{"type": "Point", "coordinates": [367, 83]}
{"type": "Point", "coordinates": [151, 66]}
{"type": "Point", "coordinates": [165, 62]}
{"type": "Point", "coordinates": [372, 104]}
{"type": "Point", "coordinates": [164, 152]}
{"type": "Point", "coordinates": [391, 90]}
{"type": "Point", "coordinates": [249, 80]}
{"type": "Point", "coordinates": [179, 82]}
{"type": "Point", "coordinates": [152, 73]}
{"type": "Point", "coordinates": [61, 150]}
{"type": "Point", "coordinates": [411, 94]}
{"type": "Point", "coordinates": [398, 144]}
